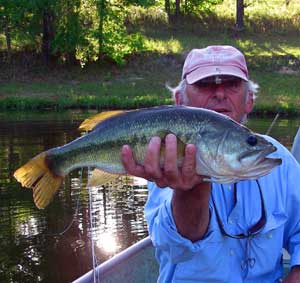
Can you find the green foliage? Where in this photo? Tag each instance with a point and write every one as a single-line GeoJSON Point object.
{"type": "Point", "coordinates": [264, 16]}
{"type": "Point", "coordinates": [116, 42]}
{"type": "Point", "coordinates": [198, 6]}
{"type": "Point", "coordinates": [142, 3]}
{"type": "Point", "coordinates": [153, 16]}
{"type": "Point", "coordinates": [68, 30]}
{"type": "Point", "coordinates": [112, 30]}
{"type": "Point", "coordinates": [82, 102]}
{"type": "Point", "coordinates": [105, 34]}
{"type": "Point", "coordinates": [14, 20]}
{"type": "Point", "coordinates": [85, 30]}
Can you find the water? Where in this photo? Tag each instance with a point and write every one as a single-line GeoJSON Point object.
{"type": "Point", "coordinates": [54, 245]}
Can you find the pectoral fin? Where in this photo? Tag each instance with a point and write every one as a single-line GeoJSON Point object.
{"type": "Point", "coordinates": [100, 177]}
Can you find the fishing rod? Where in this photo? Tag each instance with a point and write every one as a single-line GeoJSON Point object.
{"type": "Point", "coordinates": [296, 146]}
{"type": "Point", "coordinates": [295, 150]}
{"type": "Point", "coordinates": [272, 124]}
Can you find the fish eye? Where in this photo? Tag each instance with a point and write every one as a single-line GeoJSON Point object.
{"type": "Point", "coordinates": [252, 140]}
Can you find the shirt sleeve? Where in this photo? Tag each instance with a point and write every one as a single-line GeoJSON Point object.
{"type": "Point", "coordinates": [163, 230]}
{"type": "Point", "coordinates": [288, 186]}
{"type": "Point", "coordinates": [292, 229]}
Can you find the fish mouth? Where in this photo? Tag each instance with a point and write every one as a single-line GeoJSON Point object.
{"type": "Point", "coordinates": [260, 156]}
{"type": "Point", "coordinates": [261, 164]}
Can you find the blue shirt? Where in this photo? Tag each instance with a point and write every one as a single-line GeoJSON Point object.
{"type": "Point", "coordinates": [219, 258]}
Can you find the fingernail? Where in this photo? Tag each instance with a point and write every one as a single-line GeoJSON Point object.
{"type": "Point", "coordinates": [171, 137]}
{"type": "Point", "coordinates": [125, 148]}
{"type": "Point", "coordinates": [155, 140]}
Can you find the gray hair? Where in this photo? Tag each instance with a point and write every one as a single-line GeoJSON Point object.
{"type": "Point", "coordinates": [252, 87]}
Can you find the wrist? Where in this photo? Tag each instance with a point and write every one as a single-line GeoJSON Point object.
{"type": "Point", "coordinates": [296, 268]}
{"type": "Point", "coordinates": [190, 209]}
{"type": "Point", "coordinates": [200, 191]}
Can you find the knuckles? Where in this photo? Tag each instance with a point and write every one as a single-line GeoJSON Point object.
{"type": "Point", "coordinates": [183, 178]}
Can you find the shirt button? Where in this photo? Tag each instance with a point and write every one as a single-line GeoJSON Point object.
{"type": "Point", "coordinates": [231, 252]}
{"type": "Point", "coordinates": [270, 236]}
{"type": "Point", "coordinates": [230, 221]}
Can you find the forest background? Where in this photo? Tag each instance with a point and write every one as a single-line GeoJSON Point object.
{"type": "Point", "coordinates": [107, 54]}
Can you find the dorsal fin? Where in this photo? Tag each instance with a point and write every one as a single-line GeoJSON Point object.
{"type": "Point", "coordinates": [89, 123]}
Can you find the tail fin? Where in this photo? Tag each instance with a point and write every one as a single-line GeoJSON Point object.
{"type": "Point", "coordinates": [36, 174]}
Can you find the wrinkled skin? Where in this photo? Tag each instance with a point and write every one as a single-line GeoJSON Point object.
{"type": "Point", "coordinates": [293, 276]}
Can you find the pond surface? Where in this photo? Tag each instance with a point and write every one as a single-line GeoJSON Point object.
{"type": "Point", "coordinates": [55, 244]}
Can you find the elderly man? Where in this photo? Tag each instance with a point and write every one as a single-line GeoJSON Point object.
{"type": "Point", "coordinates": [207, 232]}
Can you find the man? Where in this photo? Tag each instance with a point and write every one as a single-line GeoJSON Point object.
{"type": "Point", "coordinates": [207, 232]}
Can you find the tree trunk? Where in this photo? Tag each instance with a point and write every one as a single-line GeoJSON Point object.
{"type": "Point", "coordinates": [46, 40]}
{"type": "Point", "coordinates": [177, 8]}
{"type": "Point", "coordinates": [101, 11]}
{"type": "Point", "coordinates": [167, 7]}
{"type": "Point", "coordinates": [8, 38]}
{"type": "Point", "coordinates": [240, 15]}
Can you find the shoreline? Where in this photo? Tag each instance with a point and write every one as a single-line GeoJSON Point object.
{"type": "Point", "coordinates": [37, 104]}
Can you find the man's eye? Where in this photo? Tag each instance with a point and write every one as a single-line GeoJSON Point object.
{"type": "Point", "coordinates": [233, 84]}
{"type": "Point", "coordinates": [202, 85]}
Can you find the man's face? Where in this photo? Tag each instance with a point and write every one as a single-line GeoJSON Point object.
{"type": "Point", "coordinates": [224, 94]}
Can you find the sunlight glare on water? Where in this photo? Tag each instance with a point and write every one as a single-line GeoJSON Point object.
{"type": "Point", "coordinates": [54, 244]}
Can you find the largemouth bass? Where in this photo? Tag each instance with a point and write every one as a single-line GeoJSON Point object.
{"type": "Point", "coordinates": [226, 151]}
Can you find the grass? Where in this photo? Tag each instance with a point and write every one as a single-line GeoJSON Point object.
{"type": "Point", "coordinates": [270, 42]}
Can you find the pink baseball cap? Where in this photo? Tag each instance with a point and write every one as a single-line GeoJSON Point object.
{"type": "Point", "coordinates": [212, 61]}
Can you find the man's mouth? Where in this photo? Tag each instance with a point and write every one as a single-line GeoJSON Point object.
{"type": "Point", "coordinates": [221, 110]}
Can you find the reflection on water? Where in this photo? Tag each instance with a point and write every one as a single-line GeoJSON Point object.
{"type": "Point", "coordinates": [55, 244]}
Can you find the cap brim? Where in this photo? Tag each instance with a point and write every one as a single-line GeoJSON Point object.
{"type": "Point", "coordinates": [208, 71]}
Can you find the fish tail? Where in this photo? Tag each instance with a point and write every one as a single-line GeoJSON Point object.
{"type": "Point", "coordinates": [37, 175]}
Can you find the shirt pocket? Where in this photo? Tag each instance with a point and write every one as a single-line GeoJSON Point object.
{"type": "Point", "coordinates": [211, 264]}
{"type": "Point", "coordinates": [266, 250]}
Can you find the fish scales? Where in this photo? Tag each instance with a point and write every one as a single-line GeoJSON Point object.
{"type": "Point", "coordinates": [226, 151]}
{"type": "Point", "coordinates": [105, 142]}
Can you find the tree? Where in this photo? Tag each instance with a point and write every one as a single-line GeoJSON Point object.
{"type": "Point", "coordinates": [11, 20]}
{"type": "Point", "coordinates": [240, 15]}
{"type": "Point", "coordinates": [67, 34]}
{"type": "Point", "coordinates": [168, 8]}
{"type": "Point", "coordinates": [177, 8]}
{"type": "Point", "coordinates": [197, 6]}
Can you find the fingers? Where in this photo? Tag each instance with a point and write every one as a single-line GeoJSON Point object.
{"type": "Point", "coordinates": [183, 178]}
{"type": "Point", "coordinates": [152, 159]}
{"type": "Point", "coordinates": [129, 163]}
{"type": "Point", "coordinates": [171, 175]}
{"type": "Point", "coordinates": [170, 164]}
{"type": "Point", "coordinates": [189, 162]}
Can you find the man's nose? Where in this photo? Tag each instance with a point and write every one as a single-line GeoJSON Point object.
{"type": "Point", "coordinates": [220, 91]}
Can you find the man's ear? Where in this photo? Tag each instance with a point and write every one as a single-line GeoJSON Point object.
{"type": "Point", "coordinates": [249, 103]}
{"type": "Point", "coordinates": [178, 98]}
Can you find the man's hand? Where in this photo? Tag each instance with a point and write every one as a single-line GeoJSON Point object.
{"type": "Point", "coordinates": [191, 195]}
{"type": "Point", "coordinates": [183, 178]}
{"type": "Point", "coordinates": [293, 276]}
